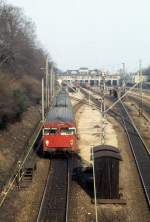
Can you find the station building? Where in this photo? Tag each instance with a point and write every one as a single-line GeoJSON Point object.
{"type": "Point", "coordinates": [91, 77]}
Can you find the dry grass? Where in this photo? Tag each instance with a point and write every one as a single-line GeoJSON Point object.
{"type": "Point", "coordinates": [16, 94]}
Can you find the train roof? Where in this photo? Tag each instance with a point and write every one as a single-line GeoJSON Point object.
{"type": "Point", "coordinates": [58, 124]}
{"type": "Point", "coordinates": [61, 109]}
{"type": "Point", "coordinates": [62, 99]}
{"type": "Point", "coordinates": [62, 114]}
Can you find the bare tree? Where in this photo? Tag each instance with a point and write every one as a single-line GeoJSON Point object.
{"type": "Point", "coordinates": [18, 44]}
{"type": "Point", "coordinates": [21, 57]}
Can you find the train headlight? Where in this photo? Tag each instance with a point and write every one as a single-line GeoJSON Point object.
{"type": "Point", "coordinates": [71, 142]}
{"type": "Point", "coordinates": [46, 142]}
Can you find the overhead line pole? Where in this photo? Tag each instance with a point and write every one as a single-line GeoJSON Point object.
{"type": "Point", "coordinates": [123, 64]}
{"type": "Point", "coordinates": [103, 110]}
{"type": "Point", "coordinates": [42, 99]}
{"type": "Point", "coordinates": [140, 88]}
{"type": "Point", "coordinates": [94, 181]}
{"type": "Point", "coordinates": [51, 81]}
{"type": "Point", "coordinates": [47, 83]}
{"type": "Point", "coordinates": [89, 86]}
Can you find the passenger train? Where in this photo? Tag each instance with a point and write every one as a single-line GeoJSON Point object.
{"type": "Point", "coordinates": [59, 129]}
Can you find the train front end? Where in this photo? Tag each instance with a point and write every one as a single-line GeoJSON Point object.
{"type": "Point", "coordinates": [59, 137]}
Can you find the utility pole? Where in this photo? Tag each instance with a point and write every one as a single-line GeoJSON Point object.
{"type": "Point", "coordinates": [89, 86]}
{"type": "Point", "coordinates": [47, 83]}
{"type": "Point", "coordinates": [51, 81]}
{"type": "Point", "coordinates": [89, 98]}
{"type": "Point", "coordinates": [123, 69]}
{"type": "Point", "coordinates": [140, 88]}
{"type": "Point", "coordinates": [94, 183]}
{"type": "Point", "coordinates": [42, 99]}
{"type": "Point", "coordinates": [103, 109]}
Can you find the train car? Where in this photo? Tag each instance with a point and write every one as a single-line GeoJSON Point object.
{"type": "Point", "coordinates": [59, 130]}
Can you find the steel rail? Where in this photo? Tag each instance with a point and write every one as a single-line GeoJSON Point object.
{"type": "Point", "coordinates": [135, 128]}
{"type": "Point", "coordinates": [43, 195]}
{"type": "Point", "coordinates": [67, 197]}
{"type": "Point", "coordinates": [55, 197]}
{"type": "Point", "coordinates": [141, 157]}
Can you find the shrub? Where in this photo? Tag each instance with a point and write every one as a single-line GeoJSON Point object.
{"type": "Point", "coordinates": [20, 101]}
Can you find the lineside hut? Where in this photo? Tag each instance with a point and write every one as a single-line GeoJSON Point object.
{"type": "Point", "coordinates": [106, 163]}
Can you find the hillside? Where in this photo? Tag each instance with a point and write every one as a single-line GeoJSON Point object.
{"type": "Point", "coordinates": [21, 57]}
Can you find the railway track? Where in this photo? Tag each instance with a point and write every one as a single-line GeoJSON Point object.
{"type": "Point", "coordinates": [54, 204]}
{"type": "Point", "coordinates": [140, 151]}
{"type": "Point", "coordinates": [145, 105]}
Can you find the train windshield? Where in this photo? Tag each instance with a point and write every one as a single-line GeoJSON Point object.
{"type": "Point", "coordinates": [67, 131]}
{"type": "Point", "coordinates": [51, 131]}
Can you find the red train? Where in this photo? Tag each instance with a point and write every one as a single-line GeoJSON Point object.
{"type": "Point", "coordinates": [59, 130]}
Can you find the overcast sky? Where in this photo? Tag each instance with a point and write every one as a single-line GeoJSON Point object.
{"type": "Point", "coordinates": [92, 33]}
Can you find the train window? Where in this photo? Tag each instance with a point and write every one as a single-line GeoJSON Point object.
{"type": "Point", "coordinates": [67, 131]}
{"type": "Point", "coordinates": [64, 131]}
{"type": "Point", "coordinates": [51, 131]}
{"type": "Point", "coordinates": [72, 130]}
{"type": "Point", "coordinates": [46, 131]}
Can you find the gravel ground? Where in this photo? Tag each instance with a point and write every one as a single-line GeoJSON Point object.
{"type": "Point", "coordinates": [90, 131]}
